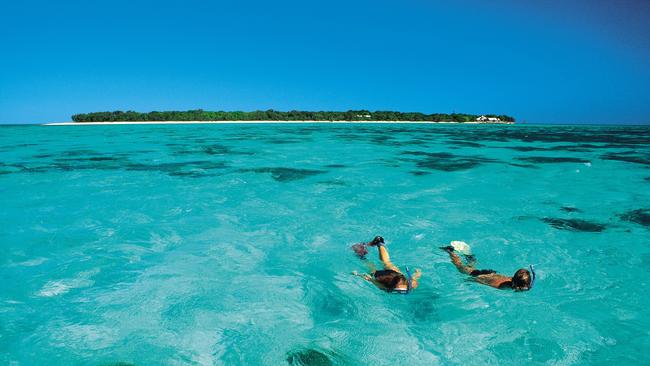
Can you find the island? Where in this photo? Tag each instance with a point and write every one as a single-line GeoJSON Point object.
{"type": "Point", "coordinates": [271, 115]}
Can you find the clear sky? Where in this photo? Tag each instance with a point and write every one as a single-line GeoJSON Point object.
{"type": "Point", "coordinates": [571, 61]}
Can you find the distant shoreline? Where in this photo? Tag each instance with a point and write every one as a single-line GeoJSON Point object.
{"type": "Point", "coordinates": [271, 115]}
{"type": "Point", "coordinates": [267, 122]}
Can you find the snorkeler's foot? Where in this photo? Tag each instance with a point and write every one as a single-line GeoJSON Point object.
{"type": "Point", "coordinates": [377, 241]}
{"type": "Point", "coordinates": [448, 248]}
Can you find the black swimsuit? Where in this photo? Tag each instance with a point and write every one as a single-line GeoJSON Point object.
{"type": "Point", "coordinates": [478, 272]}
{"type": "Point", "coordinates": [384, 272]}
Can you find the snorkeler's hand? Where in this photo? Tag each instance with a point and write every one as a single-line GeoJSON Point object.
{"type": "Point", "coordinates": [417, 274]}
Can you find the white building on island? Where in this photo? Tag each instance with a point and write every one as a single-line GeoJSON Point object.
{"type": "Point", "coordinates": [488, 119]}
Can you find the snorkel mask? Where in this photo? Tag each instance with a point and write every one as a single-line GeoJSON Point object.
{"type": "Point", "coordinates": [409, 284]}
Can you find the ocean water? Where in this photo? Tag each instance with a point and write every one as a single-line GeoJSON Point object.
{"type": "Point", "coordinates": [230, 244]}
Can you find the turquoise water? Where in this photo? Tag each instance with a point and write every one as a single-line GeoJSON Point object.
{"type": "Point", "coordinates": [229, 244]}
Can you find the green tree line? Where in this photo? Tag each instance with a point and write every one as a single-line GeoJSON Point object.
{"type": "Point", "coordinates": [273, 115]}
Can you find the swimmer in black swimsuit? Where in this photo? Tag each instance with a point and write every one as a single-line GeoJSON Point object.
{"type": "Point", "coordinates": [520, 281]}
{"type": "Point", "coordinates": [390, 279]}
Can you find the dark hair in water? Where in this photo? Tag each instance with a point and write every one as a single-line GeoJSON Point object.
{"type": "Point", "coordinates": [389, 278]}
{"type": "Point", "coordinates": [521, 280]}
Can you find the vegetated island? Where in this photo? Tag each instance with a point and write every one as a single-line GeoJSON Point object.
{"type": "Point", "coordinates": [299, 116]}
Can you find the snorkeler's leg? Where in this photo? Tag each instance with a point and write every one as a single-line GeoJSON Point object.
{"type": "Point", "coordinates": [463, 268]}
{"type": "Point", "coordinates": [383, 254]}
{"type": "Point", "coordinates": [385, 258]}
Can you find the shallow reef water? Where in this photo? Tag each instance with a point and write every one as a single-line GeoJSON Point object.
{"type": "Point", "coordinates": [230, 244]}
{"type": "Point", "coordinates": [574, 224]}
{"type": "Point", "coordinates": [640, 216]}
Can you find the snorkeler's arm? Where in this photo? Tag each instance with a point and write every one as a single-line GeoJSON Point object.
{"type": "Point", "coordinates": [370, 279]}
{"type": "Point", "coordinates": [365, 276]}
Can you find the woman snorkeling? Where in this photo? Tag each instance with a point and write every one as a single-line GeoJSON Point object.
{"type": "Point", "coordinates": [522, 280]}
{"type": "Point", "coordinates": [390, 279]}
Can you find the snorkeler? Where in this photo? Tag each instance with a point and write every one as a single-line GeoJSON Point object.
{"type": "Point", "coordinates": [389, 279]}
{"type": "Point", "coordinates": [522, 280]}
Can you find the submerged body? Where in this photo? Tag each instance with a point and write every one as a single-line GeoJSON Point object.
{"type": "Point", "coordinates": [390, 279]}
{"type": "Point", "coordinates": [520, 281]}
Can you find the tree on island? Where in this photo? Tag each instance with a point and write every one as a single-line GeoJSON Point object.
{"type": "Point", "coordinates": [273, 115]}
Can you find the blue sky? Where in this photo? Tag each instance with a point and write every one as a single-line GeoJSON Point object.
{"type": "Point", "coordinates": [542, 61]}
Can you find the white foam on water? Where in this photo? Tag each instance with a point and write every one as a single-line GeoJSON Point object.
{"type": "Point", "coordinates": [132, 217]}
{"type": "Point", "coordinates": [43, 229]}
{"type": "Point", "coordinates": [32, 262]}
{"type": "Point", "coordinates": [319, 241]}
{"type": "Point", "coordinates": [53, 288]}
{"type": "Point", "coordinates": [60, 287]}
{"type": "Point", "coordinates": [162, 243]}
{"type": "Point", "coordinates": [82, 337]}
